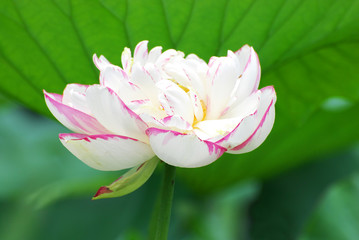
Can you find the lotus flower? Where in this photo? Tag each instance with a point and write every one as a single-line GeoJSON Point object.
{"type": "Point", "coordinates": [183, 110]}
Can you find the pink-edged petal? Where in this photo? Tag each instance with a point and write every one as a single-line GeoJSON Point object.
{"type": "Point", "coordinates": [71, 118]}
{"type": "Point", "coordinates": [75, 96]}
{"type": "Point", "coordinates": [222, 77]}
{"type": "Point", "coordinates": [176, 123]}
{"type": "Point", "coordinates": [251, 75]}
{"type": "Point", "coordinates": [252, 130]}
{"type": "Point", "coordinates": [146, 78]}
{"type": "Point", "coordinates": [259, 135]}
{"type": "Point", "coordinates": [243, 55]}
{"type": "Point", "coordinates": [111, 112]}
{"type": "Point", "coordinates": [214, 130]}
{"type": "Point", "coordinates": [141, 53]}
{"type": "Point", "coordinates": [183, 150]}
{"type": "Point", "coordinates": [112, 76]}
{"type": "Point", "coordinates": [107, 152]}
{"type": "Point", "coordinates": [117, 80]}
{"type": "Point", "coordinates": [240, 133]}
{"type": "Point", "coordinates": [248, 106]}
{"type": "Point", "coordinates": [101, 63]}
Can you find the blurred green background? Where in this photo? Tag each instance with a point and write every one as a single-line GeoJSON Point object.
{"type": "Point", "coordinates": [302, 183]}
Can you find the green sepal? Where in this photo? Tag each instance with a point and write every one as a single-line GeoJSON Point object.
{"type": "Point", "coordinates": [129, 182]}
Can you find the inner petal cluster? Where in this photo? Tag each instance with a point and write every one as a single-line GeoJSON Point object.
{"type": "Point", "coordinates": [158, 85]}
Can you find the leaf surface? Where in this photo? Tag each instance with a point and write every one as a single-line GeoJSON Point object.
{"type": "Point", "coordinates": [309, 51]}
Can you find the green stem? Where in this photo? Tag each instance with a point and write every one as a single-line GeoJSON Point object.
{"type": "Point", "coordinates": [162, 212]}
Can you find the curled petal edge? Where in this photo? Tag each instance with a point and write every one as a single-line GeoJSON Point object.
{"type": "Point", "coordinates": [250, 118]}
{"type": "Point", "coordinates": [72, 118]}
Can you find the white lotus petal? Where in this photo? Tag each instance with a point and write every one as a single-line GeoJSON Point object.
{"type": "Point", "coordinates": [222, 77]}
{"type": "Point", "coordinates": [146, 81]}
{"type": "Point", "coordinates": [197, 106]}
{"type": "Point", "coordinates": [126, 59]}
{"type": "Point", "coordinates": [71, 118]}
{"type": "Point", "coordinates": [183, 150]}
{"type": "Point", "coordinates": [117, 80]}
{"type": "Point", "coordinates": [243, 55]}
{"type": "Point", "coordinates": [112, 113]}
{"type": "Point", "coordinates": [101, 63]}
{"type": "Point", "coordinates": [245, 131]}
{"type": "Point", "coordinates": [251, 75]}
{"type": "Point", "coordinates": [141, 53]}
{"type": "Point", "coordinates": [167, 56]}
{"type": "Point", "coordinates": [75, 96]}
{"type": "Point", "coordinates": [214, 130]}
{"type": "Point", "coordinates": [244, 108]}
{"type": "Point", "coordinates": [107, 152]}
{"type": "Point", "coordinates": [154, 54]}
{"type": "Point", "coordinates": [175, 101]}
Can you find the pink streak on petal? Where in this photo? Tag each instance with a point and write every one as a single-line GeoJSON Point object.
{"type": "Point", "coordinates": [134, 86]}
{"type": "Point", "coordinates": [57, 97]}
{"type": "Point", "coordinates": [156, 131]}
{"type": "Point", "coordinates": [213, 148]}
{"type": "Point", "coordinates": [78, 136]}
{"type": "Point", "coordinates": [169, 119]}
{"type": "Point", "coordinates": [132, 113]}
{"type": "Point", "coordinates": [229, 134]}
{"type": "Point", "coordinates": [248, 62]}
{"type": "Point", "coordinates": [74, 115]}
{"type": "Point", "coordinates": [239, 147]}
{"type": "Point", "coordinates": [140, 101]}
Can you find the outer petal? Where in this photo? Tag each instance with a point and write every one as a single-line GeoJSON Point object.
{"type": "Point", "coordinates": [71, 118]}
{"type": "Point", "coordinates": [260, 133]}
{"type": "Point", "coordinates": [107, 152]}
{"type": "Point", "coordinates": [183, 150]}
{"type": "Point", "coordinates": [252, 130]}
{"type": "Point", "coordinates": [112, 113]}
